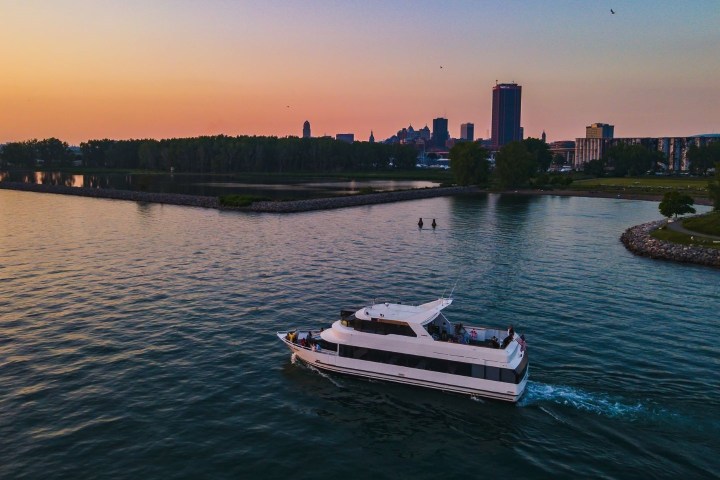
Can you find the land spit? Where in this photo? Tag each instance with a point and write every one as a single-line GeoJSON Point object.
{"type": "Point", "coordinates": [638, 240]}
{"type": "Point", "coordinates": [311, 204]}
{"type": "Point", "coordinates": [263, 206]}
{"type": "Point", "coordinates": [150, 197]}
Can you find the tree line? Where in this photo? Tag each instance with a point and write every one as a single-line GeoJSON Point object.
{"type": "Point", "coordinates": [633, 160]}
{"type": "Point", "coordinates": [517, 164]}
{"type": "Point", "coordinates": [214, 154]}
{"type": "Point", "coordinates": [524, 163]}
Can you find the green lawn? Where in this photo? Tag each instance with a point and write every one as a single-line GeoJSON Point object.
{"type": "Point", "coordinates": [708, 224]}
{"type": "Point", "coordinates": [663, 233]}
{"type": "Point", "coordinates": [693, 186]}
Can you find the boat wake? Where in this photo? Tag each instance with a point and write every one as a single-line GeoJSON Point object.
{"type": "Point", "coordinates": [313, 369]}
{"type": "Point", "coordinates": [598, 403]}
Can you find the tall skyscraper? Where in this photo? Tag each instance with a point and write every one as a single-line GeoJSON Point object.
{"type": "Point", "coordinates": [467, 131]}
{"type": "Point", "coordinates": [440, 133]}
{"type": "Point", "coordinates": [506, 114]}
{"type": "Point", "coordinates": [600, 130]}
{"type": "Point", "coordinates": [306, 129]}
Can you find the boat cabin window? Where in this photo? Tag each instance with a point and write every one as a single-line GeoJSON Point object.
{"type": "Point", "coordinates": [506, 375]}
{"type": "Point", "coordinates": [383, 327]}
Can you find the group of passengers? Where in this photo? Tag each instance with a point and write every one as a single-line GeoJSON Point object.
{"type": "Point", "coordinates": [461, 335]}
{"type": "Point", "coordinates": [307, 341]}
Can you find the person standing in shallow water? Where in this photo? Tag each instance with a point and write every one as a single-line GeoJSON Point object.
{"type": "Point", "coordinates": [420, 223]}
{"type": "Point", "coordinates": [434, 224]}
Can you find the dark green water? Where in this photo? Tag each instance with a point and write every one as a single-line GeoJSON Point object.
{"type": "Point", "coordinates": [137, 341]}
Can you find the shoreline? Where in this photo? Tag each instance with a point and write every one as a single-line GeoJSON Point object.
{"type": "Point", "coordinates": [291, 206]}
{"type": "Point", "coordinates": [294, 206]}
{"type": "Point", "coordinates": [636, 239]}
{"type": "Point", "coordinates": [639, 241]}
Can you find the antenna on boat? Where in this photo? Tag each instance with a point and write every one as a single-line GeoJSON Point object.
{"type": "Point", "coordinates": [453, 289]}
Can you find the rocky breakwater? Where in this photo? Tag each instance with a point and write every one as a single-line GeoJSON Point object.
{"type": "Point", "coordinates": [149, 197]}
{"type": "Point", "coordinates": [638, 240]}
{"type": "Point", "coordinates": [356, 200]}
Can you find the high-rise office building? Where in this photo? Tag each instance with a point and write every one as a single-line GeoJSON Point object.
{"type": "Point", "coordinates": [467, 132]}
{"type": "Point", "coordinates": [506, 114]}
{"type": "Point", "coordinates": [600, 130]}
{"type": "Point", "coordinates": [306, 129]}
{"type": "Point", "coordinates": [440, 134]}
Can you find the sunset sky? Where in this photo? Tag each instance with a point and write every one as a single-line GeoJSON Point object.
{"type": "Point", "coordinates": [80, 70]}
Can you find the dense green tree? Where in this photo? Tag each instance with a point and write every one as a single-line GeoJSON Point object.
{"type": "Point", "coordinates": [631, 160]}
{"type": "Point", "coordinates": [714, 188]}
{"type": "Point", "coordinates": [54, 152]}
{"type": "Point", "coordinates": [20, 154]}
{"type": "Point", "coordinates": [703, 158]}
{"type": "Point", "coordinates": [540, 152]}
{"type": "Point", "coordinates": [224, 154]}
{"type": "Point", "coordinates": [219, 154]}
{"type": "Point", "coordinates": [514, 165]}
{"type": "Point", "coordinates": [469, 163]}
{"type": "Point", "coordinates": [676, 203]}
{"type": "Point", "coordinates": [596, 168]}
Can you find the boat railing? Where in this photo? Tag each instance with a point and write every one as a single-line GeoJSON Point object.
{"type": "Point", "coordinates": [473, 335]}
{"type": "Point", "coordinates": [308, 339]}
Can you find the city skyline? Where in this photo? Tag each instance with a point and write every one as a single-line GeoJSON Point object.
{"type": "Point", "coordinates": [79, 70]}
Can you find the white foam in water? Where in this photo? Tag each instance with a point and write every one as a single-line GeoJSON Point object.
{"type": "Point", "coordinates": [326, 376]}
{"type": "Point", "coordinates": [599, 403]}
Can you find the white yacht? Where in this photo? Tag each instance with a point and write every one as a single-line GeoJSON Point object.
{"type": "Point", "coordinates": [417, 345]}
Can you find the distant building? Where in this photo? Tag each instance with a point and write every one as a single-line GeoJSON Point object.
{"type": "Point", "coordinates": [674, 149]}
{"type": "Point", "coordinates": [599, 130]}
{"type": "Point", "coordinates": [440, 134]}
{"type": "Point", "coordinates": [506, 114]}
{"type": "Point", "coordinates": [306, 129]}
{"type": "Point", "coordinates": [565, 149]}
{"type": "Point", "coordinates": [467, 132]}
{"type": "Point", "coordinates": [372, 137]}
{"type": "Point", "coordinates": [345, 137]}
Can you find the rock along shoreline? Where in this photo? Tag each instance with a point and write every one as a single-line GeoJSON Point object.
{"type": "Point", "coordinates": [637, 239]}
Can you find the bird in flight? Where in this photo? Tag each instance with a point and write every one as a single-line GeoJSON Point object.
{"type": "Point", "coordinates": [612, 11]}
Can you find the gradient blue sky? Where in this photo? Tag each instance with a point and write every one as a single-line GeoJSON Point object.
{"type": "Point", "coordinates": [78, 70]}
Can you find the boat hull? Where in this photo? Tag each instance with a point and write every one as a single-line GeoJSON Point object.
{"type": "Point", "coordinates": [331, 362]}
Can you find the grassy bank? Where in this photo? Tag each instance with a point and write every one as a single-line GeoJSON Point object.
{"type": "Point", "coordinates": [705, 224]}
{"type": "Point", "coordinates": [693, 186]}
{"type": "Point", "coordinates": [708, 224]}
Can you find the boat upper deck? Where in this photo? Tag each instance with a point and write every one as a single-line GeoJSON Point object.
{"type": "Point", "coordinates": [411, 314]}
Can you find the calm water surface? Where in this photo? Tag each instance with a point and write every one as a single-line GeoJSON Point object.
{"type": "Point", "coordinates": [137, 341]}
{"type": "Point", "coordinates": [214, 185]}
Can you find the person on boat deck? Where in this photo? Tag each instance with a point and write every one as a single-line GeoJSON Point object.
{"type": "Point", "coordinates": [494, 342]}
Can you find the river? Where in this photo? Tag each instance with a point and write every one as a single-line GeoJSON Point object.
{"type": "Point", "coordinates": [137, 341]}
